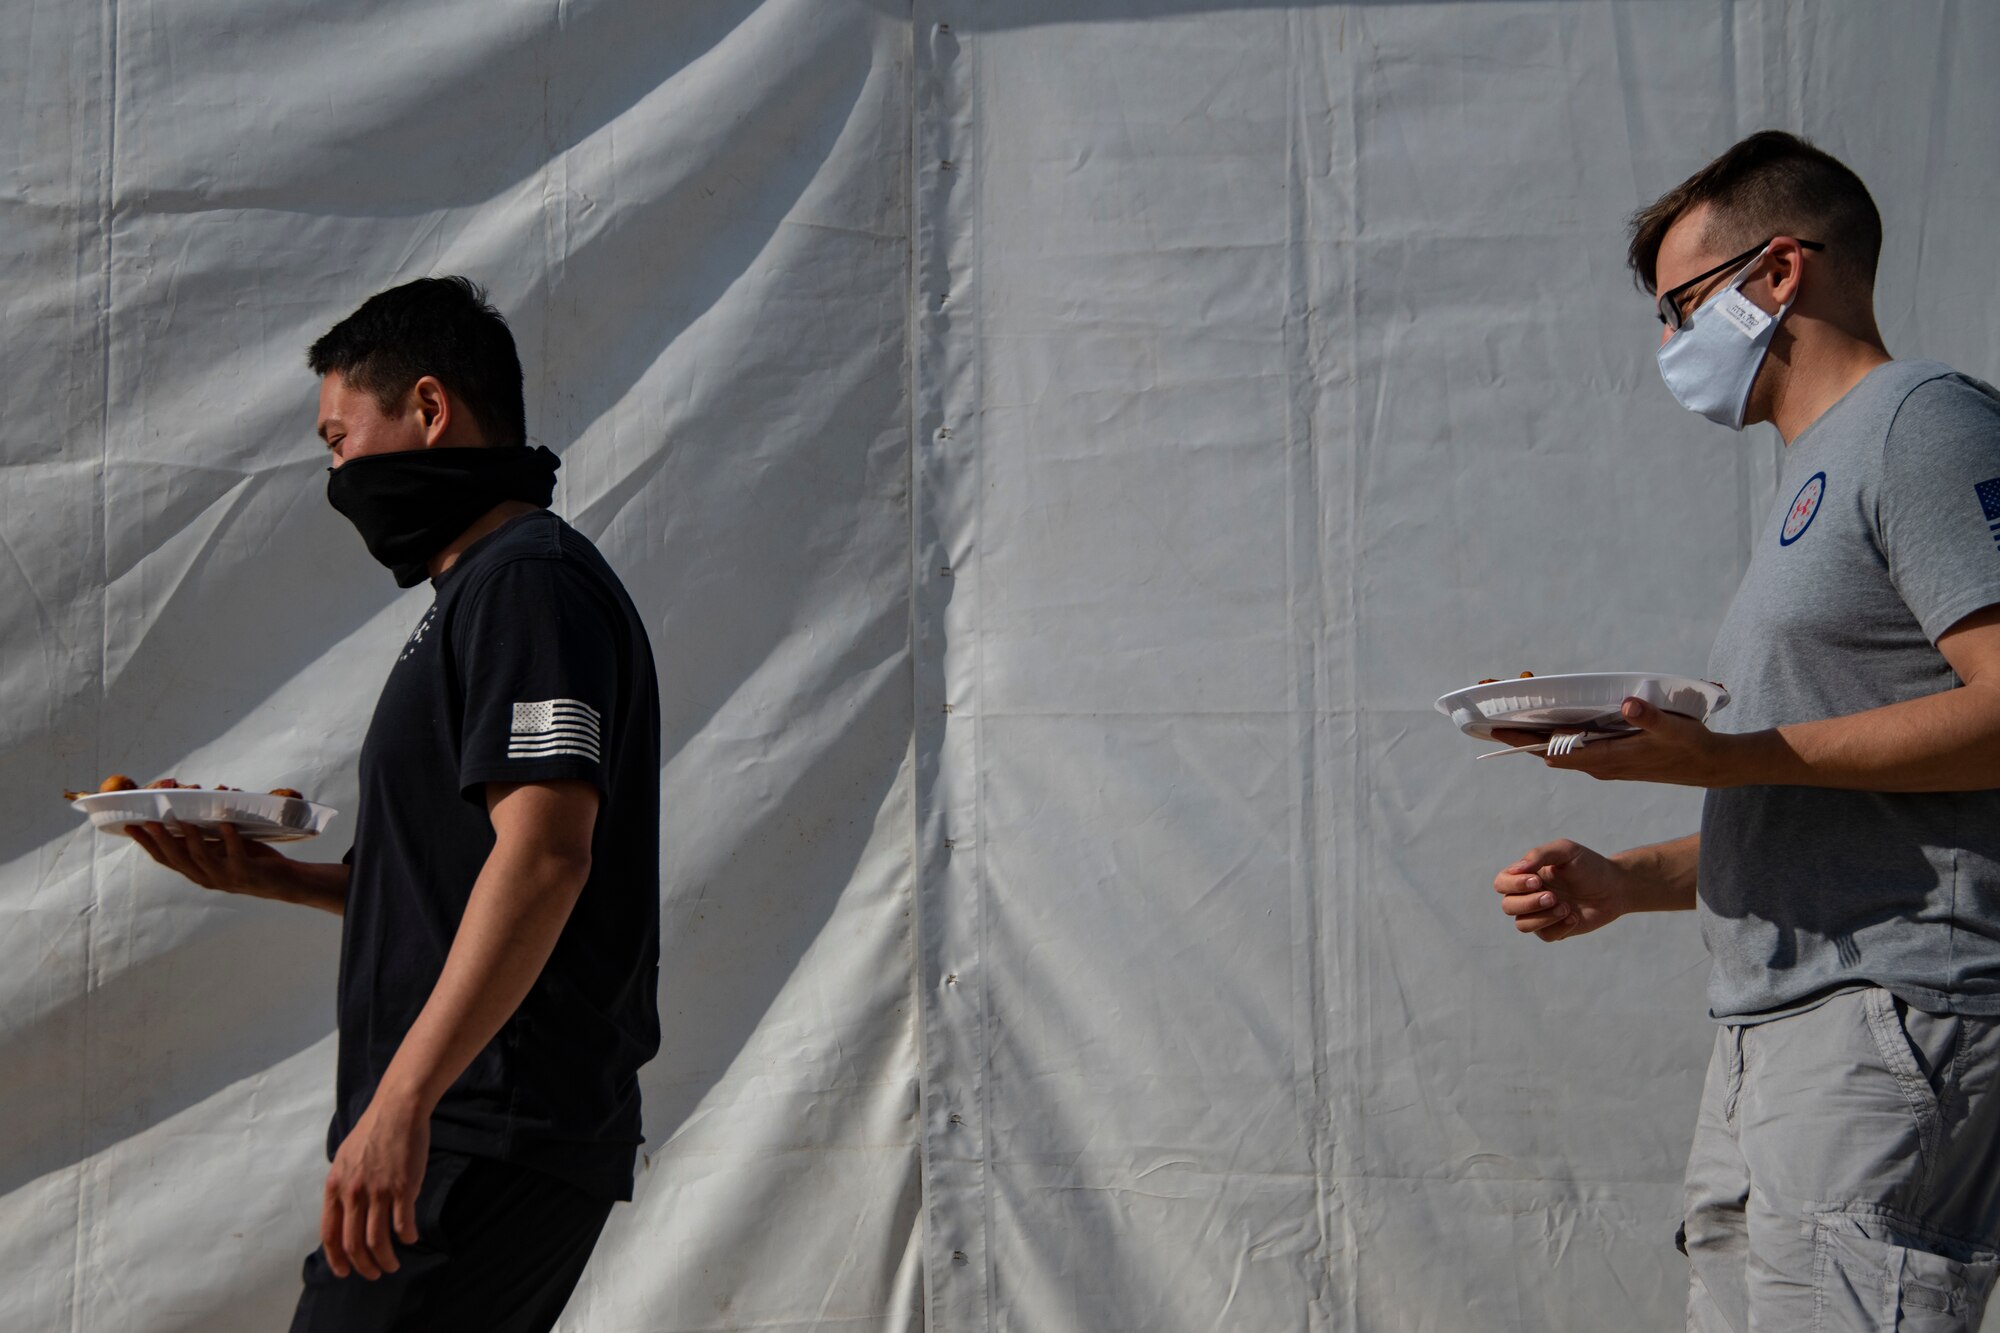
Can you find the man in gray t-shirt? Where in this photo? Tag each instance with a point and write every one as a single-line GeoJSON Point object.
{"type": "Point", "coordinates": [1845, 1170]}
{"type": "Point", "coordinates": [1879, 544]}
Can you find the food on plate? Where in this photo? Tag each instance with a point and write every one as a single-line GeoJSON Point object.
{"type": "Point", "coordinates": [187, 809]}
{"type": "Point", "coordinates": [1527, 675]}
{"type": "Point", "coordinates": [119, 782]}
{"type": "Point", "coordinates": [116, 782]}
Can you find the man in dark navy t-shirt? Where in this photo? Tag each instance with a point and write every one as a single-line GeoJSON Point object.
{"type": "Point", "coordinates": [500, 905]}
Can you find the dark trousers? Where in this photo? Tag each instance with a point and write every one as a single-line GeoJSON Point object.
{"type": "Point", "coordinates": [499, 1250]}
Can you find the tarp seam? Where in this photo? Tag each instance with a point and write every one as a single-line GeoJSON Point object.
{"type": "Point", "coordinates": [107, 207]}
{"type": "Point", "coordinates": [1306, 567]}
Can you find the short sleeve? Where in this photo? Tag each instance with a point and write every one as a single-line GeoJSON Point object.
{"type": "Point", "coordinates": [1939, 503]}
{"type": "Point", "coordinates": [537, 662]}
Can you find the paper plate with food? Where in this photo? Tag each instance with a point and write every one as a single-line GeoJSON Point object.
{"type": "Point", "coordinates": [280, 815]}
{"type": "Point", "coordinates": [1585, 703]}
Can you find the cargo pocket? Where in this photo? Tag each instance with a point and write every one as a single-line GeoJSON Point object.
{"type": "Point", "coordinates": [1875, 1274]}
{"type": "Point", "coordinates": [1913, 1069]}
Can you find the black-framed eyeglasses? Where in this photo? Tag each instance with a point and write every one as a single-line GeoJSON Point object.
{"type": "Point", "coordinates": [1670, 302]}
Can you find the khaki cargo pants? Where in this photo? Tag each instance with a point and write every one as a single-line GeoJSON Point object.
{"type": "Point", "coordinates": [1845, 1174]}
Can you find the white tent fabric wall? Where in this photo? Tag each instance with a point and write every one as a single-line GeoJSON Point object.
{"type": "Point", "coordinates": [1061, 448]}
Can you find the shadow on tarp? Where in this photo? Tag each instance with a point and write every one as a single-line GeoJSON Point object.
{"type": "Point", "coordinates": [165, 1034]}
{"type": "Point", "coordinates": [475, 133]}
{"type": "Point", "coordinates": [972, 16]}
{"type": "Point", "coordinates": [785, 874]}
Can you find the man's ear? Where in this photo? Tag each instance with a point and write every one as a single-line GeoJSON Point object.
{"type": "Point", "coordinates": [434, 408]}
{"type": "Point", "coordinates": [1787, 262]}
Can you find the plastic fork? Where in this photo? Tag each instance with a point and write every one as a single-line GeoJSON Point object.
{"type": "Point", "coordinates": [1555, 746]}
{"type": "Point", "coordinates": [1567, 742]}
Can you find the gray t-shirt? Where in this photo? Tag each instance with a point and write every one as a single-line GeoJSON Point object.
{"type": "Point", "coordinates": [1885, 534]}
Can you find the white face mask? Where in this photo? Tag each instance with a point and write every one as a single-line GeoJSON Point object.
{"type": "Point", "coordinates": [1710, 363]}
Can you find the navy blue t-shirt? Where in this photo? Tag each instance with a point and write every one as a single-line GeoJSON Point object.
{"type": "Point", "coordinates": [531, 665]}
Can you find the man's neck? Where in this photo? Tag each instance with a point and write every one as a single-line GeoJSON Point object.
{"type": "Point", "coordinates": [1820, 375]}
{"type": "Point", "coordinates": [490, 521]}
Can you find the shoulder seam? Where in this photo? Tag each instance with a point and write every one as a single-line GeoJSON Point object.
{"type": "Point", "coordinates": [1897, 415]}
{"type": "Point", "coordinates": [552, 550]}
{"type": "Point", "coordinates": [488, 574]}
{"type": "Point", "coordinates": [1882, 449]}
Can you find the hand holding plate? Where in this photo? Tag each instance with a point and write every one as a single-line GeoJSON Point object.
{"type": "Point", "coordinates": [230, 864]}
{"type": "Point", "coordinates": [1666, 747]}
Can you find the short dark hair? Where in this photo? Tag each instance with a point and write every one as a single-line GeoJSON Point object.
{"type": "Point", "coordinates": [442, 327]}
{"type": "Point", "coordinates": [1770, 184]}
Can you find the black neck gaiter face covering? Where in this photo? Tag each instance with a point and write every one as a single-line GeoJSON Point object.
{"type": "Point", "coordinates": [409, 506]}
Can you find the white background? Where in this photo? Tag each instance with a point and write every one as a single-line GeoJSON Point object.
{"type": "Point", "coordinates": [1094, 937]}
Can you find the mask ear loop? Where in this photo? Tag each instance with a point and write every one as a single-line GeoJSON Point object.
{"type": "Point", "coordinates": [1735, 284]}
{"type": "Point", "coordinates": [1742, 276]}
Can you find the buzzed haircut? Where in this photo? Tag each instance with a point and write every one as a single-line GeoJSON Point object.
{"type": "Point", "coordinates": [442, 327]}
{"type": "Point", "coordinates": [1770, 184]}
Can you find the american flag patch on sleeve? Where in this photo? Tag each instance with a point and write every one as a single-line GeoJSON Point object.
{"type": "Point", "coordinates": [554, 727]}
{"type": "Point", "coordinates": [1989, 505]}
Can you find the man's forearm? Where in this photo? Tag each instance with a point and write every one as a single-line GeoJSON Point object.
{"type": "Point", "coordinates": [312, 884]}
{"type": "Point", "coordinates": [516, 912]}
{"type": "Point", "coordinates": [1941, 742]}
{"type": "Point", "coordinates": [1663, 874]}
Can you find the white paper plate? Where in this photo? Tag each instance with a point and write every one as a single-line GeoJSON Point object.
{"type": "Point", "coordinates": [1584, 701]}
{"type": "Point", "coordinates": [256, 816]}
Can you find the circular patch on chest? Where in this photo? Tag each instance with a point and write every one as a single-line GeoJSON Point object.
{"type": "Point", "coordinates": [1805, 506]}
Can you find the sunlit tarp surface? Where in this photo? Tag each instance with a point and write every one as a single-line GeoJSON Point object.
{"type": "Point", "coordinates": [1061, 449]}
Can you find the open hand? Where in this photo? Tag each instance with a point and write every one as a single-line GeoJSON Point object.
{"type": "Point", "coordinates": [370, 1200]}
{"type": "Point", "coordinates": [230, 863]}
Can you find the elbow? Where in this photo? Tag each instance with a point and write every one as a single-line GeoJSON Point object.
{"type": "Point", "coordinates": [571, 870]}
{"type": "Point", "coordinates": [562, 870]}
